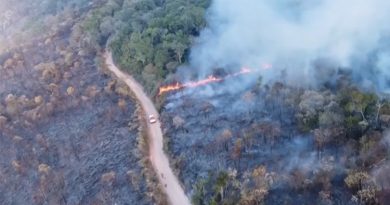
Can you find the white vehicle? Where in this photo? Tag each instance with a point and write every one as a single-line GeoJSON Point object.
{"type": "Point", "coordinates": [152, 119]}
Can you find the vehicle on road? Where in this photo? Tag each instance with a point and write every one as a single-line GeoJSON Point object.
{"type": "Point", "coordinates": [152, 119]}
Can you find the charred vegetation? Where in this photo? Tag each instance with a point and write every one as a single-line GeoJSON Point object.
{"type": "Point", "coordinates": [69, 132]}
{"type": "Point", "coordinates": [278, 144]}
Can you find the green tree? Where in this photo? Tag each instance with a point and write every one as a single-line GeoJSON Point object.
{"type": "Point", "coordinates": [359, 103]}
{"type": "Point", "coordinates": [142, 48]}
{"type": "Point", "coordinates": [177, 43]}
{"type": "Point", "coordinates": [199, 192]}
{"type": "Point", "coordinates": [221, 183]}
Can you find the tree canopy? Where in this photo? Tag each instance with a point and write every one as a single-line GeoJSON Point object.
{"type": "Point", "coordinates": [148, 33]}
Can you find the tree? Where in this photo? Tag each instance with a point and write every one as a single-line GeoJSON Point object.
{"type": "Point", "coordinates": [321, 138]}
{"type": "Point", "coordinates": [356, 179]}
{"type": "Point", "coordinates": [236, 154]}
{"type": "Point", "coordinates": [221, 183]}
{"type": "Point", "coordinates": [361, 183]}
{"type": "Point", "coordinates": [207, 108]}
{"type": "Point", "coordinates": [368, 195]}
{"type": "Point", "coordinates": [269, 131]}
{"type": "Point", "coordinates": [249, 98]}
{"type": "Point", "coordinates": [178, 43]}
{"type": "Point", "coordinates": [161, 57]}
{"type": "Point", "coordinates": [142, 47]}
{"type": "Point", "coordinates": [255, 191]}
{"type": "Point", "coordinates": [380, 103]}
{"type": "Point", "coordinates": [144, 6]}
{"type": "Point", "coordinates": [199, 192]}
{"type": "Point", "coordinates": [178, 122]}
{"type": "Point", "coordinates": [12, 106]}
{"type": "Point", "coordinates": [107, 26]}
{"type": "Point", "coordinates": [151, 75]}
{"type": "Point", "coordinates": [249, 136]}
{"type": "Point", "coordinates": [359, 102]}
{"type": "Point", "coordinates": [332, 116]}
{"type": "Point", "coordinates": [298, 180]}
{"type": "Point", "coordinates": [224, 139]}
{"type": "Point", "coordinates": [308, 109]}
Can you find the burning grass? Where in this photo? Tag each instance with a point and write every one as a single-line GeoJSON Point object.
{"type": "Point", "coordinates": [210, 79]}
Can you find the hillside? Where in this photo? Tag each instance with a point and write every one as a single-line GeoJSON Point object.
{"type": "Point", "coordinates": [69, 131]}
{"type": "Point", "coordinates": [279, 144]}
{"type": "Point", "coordinates": [265, 102]}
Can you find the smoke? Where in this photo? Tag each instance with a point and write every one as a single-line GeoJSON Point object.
{"type": "Point", "coordinates": [294, 34]}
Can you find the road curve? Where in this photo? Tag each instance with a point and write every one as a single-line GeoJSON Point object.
{"type": "Point", "coordinates": [159, 159]}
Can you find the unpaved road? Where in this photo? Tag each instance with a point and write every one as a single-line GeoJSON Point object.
{"type": "Point", "coordinates": [174, 191]}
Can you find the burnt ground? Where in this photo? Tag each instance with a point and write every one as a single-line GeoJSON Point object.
{"type": "Point", "coordinates": [68, 131]}
{"type": "Point", "coordinates": [211, 130]}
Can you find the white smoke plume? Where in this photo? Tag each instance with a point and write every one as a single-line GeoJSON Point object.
{"type": "Point", "coordinates": [295, 34]}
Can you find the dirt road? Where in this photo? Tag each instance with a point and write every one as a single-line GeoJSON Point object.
{"type": "Point", "coordinates": [160, 162]}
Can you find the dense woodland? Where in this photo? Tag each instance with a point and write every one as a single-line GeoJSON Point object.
{"type": "Point", "coordinates": [149, 38]}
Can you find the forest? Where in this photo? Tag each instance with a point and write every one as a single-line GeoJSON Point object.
{"type": "Point", "coordinates": [149, 38]}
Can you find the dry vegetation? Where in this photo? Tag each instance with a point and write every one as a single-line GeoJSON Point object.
{"type": "Point", "coordinates": [69, 132]}
{"type": "Point", "coordinates": [279, 144]}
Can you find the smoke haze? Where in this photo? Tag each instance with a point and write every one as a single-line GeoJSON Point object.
{"type": "Point", "coordinates": [295, 34]}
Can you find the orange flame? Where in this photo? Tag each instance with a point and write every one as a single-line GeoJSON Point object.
{"type": "Point", "coordinates": [169, 88]}
{"type": "Point", "coordinates": [208, 80]}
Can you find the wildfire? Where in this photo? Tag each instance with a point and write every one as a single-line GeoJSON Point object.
{"type": "Point", "coordinates": [169, 88]}
{"type": "Point", "coordinates": [208, 80]}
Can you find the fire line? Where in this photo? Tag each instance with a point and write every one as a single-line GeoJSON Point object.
{"type": "Point", "coordinates": [208, 80]}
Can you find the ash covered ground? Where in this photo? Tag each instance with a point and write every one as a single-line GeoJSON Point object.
{"type": "Point", "coordinates": [274, 145]}
{"type": "Point", "coordinates": [68, 131]}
